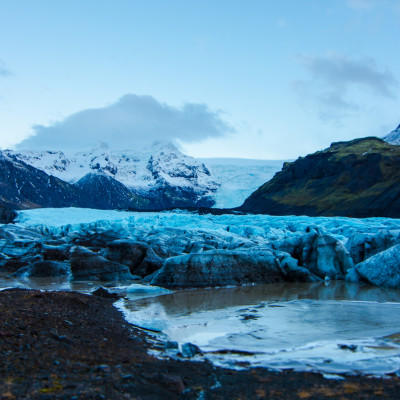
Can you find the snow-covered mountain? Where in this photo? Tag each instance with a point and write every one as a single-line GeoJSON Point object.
{"type": "Point", "coordinates": [161, 174]}
{"type": "Point", "coordinates": [393, 137]}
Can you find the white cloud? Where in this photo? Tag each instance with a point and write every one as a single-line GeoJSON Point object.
{"type": "Point", "coordinates": [131, 121]}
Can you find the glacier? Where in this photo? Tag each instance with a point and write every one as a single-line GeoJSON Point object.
{"type": "Point", "coordinates": [183, 249]}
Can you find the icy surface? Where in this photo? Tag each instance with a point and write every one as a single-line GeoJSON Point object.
{"type": "Point", "coordinates": [257, 228]}
{"type": "Point", "coordinates": [393, 137]}
{"type": "Point", "coordinates": [302, 326]}
{"type": "Point", "coordinates": [239, 178]}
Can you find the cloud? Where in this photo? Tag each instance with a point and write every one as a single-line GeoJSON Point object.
{"type": "Point", "coordinates": [335, 77]}
{"type": "Point", "coordinates": [133, 120]}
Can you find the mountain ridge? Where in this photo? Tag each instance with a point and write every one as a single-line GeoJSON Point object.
{"type": "Point", "coordinates": [358, 178]}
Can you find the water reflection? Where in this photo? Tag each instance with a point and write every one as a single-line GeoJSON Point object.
{"type": "Point", "coordinates": [190, 301]}
{"type": "Point", "coordinates": [339, 327]}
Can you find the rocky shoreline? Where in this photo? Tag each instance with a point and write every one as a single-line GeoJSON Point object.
{"type": "Point", "coordinates": [67, 345]}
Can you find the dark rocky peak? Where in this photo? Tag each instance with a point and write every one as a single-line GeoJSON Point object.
{"type": "Point", "coordinates": [104, 191]}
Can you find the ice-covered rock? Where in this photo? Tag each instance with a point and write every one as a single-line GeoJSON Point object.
{"type": "Point", "coordinates": [292, 271]}
{"type": "Point", "coordinates": [59, 252]}
{"type": "Point", "coordinates": [300, 248]}
{"type": "Point", "coordinates": [127, 252]}
{"type": "Point", "coordinates": [218, 268]}
{"type": "Point", "coordinates": [150, 264]}
{"type": "Point", "coordinates": [382, 269]}
{"type": "Point", "coordinates": [362, 245]}
{"type": "Point", "coordinates": [87, 265]}
{"type": "Point", "coordinates": [43, 269]}
{"type": "Point", "coordinates": [321, 254]}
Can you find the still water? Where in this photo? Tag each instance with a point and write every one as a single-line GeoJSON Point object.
{"type": "Point", "coordinates": [334, 328]}
{"type": "Point", "coordinates": [331, 327]}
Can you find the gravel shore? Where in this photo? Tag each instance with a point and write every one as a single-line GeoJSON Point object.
{"type": "Point", "coordinates": [67, 345]}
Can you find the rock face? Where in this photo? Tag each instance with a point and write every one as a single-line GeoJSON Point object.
{"type": "Point", "coordinates": [358, 178]}
{"type": "Point", "coordinates": [383, 269]}
{"type": "Point", "coordinates": [87, 265]}
{"type": "Point", "coordinates": [23, 186]}
{"type": "Point", "coordinates": [106, 192]}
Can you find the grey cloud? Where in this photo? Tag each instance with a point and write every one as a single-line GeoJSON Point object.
{"type": "Point", "coordinates": [133, 120]}
{"type": "Point", "coordinates": [333, 77]}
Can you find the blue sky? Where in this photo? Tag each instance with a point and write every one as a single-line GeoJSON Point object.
{"type": "Point", "coordinates": [224, 78]}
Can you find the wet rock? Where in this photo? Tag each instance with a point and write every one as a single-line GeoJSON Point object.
{"type": "Point", "coordinates": [13, 264]}
{"type": "Point", "coordinates": [105, 294]}
{"type": "Point", "coordinates": [292, 271]}
{"type": "Point", "coordinates": [190, 350]}
{"type": "Point", "coordinates": [127, 252]}
{"type": "Point", "coordinates": [382, 269]}
{"type": "Point", "coordinates": [56, 253]}
{"type": "Point", "coordinates": [87, 265]}
{"type": "Point", "coordinates": [7, 215]}
{"type": "Point", "coordinates": [363, 245]}
{"type": "Point", "coordinates": [171, 346]}
{"type": "Point", "coordinates": [43, 269]}
{"type": "Point", "coordinates": [218, 268]}
{"type": "Point", "coordinates": [97, 239]}
{"type": "Point", "coordinates": [150, 264]}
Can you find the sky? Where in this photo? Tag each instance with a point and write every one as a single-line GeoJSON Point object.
{"type": "Point", "coordinates": [258, 79]}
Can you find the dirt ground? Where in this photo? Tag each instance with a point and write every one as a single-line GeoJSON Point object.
{"type": "Point", "coordinates": [66, 345]}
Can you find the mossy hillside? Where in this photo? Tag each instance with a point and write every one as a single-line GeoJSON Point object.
{"type": "Point", "coordinates": [356, 178]}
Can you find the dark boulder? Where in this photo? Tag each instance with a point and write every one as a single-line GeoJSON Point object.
{"type": "Point", "coordinates": [105, 294]}
{"type": "Point", "coordinates": [43, 269]}
{"type": "Point", "coordinates": [218, 268]}
{"type": "Point", "coordinates": [7, 215]}
{"type": "Point", "coordinates": [150, 264]}
{"type": "Point", "coordinates": [56, 253]}
{"type": "Point", "coordinates": [87, 265]}
{"type": "Point", "coordinates": [127, 252]}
